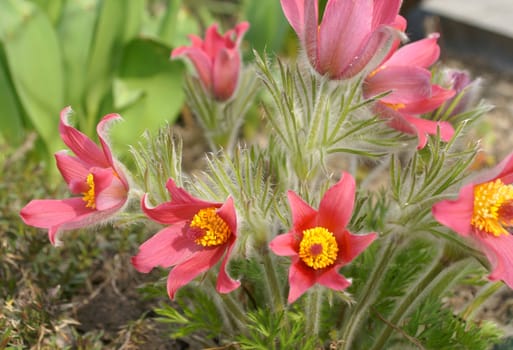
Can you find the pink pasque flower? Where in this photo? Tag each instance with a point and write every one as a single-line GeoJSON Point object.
{"type": "Point", "coordinates": [461, 83]}
{"type": "Point", "coordinates": [483, 213]}
{"type": "Point", "coordinates": [200, 234]}
{"type": "Point", "coordinates": [349, 35]}
{"type": "Point", "coordinates": [318, 242]}
{"type": "Point", "coordinates": [404, 73]}
{"type": "Point", "coordinates": [217, 59]}
{"type": "Point", "coordinates": [92, 173]}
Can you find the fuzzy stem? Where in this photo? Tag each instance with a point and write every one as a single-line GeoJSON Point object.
{"type": "Point", "coordinates": [273, 284]}
{"type": "Point", "coordinates": [237, 313]}
{"type": "Point", "coordinates": [436, 280]}
{"type": "Point", "coordinates": [313, 312]}
{"type": "Point", "coordinates": [480, 298]}
{"type": "Point", "coordinates": [369, 292]}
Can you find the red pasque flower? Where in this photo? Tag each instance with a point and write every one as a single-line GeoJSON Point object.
{"type": "Point", "coordinates": [405, 75]}
{"type": "Point", "coordinates": [319, 243]}
{"type": "Point", "coordinates": [349, 35]}
{"type": "Point", "coordinates": [92, 173]}
{"type": "Point", "coordinates": [483, 213]}
{"type": "Point", "coordinates": [217, 59]}
{"type": "Point", "coordinates": [200, 233]}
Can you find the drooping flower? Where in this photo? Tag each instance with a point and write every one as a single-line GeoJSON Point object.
{"type": "Point", "coordinates": [200, 233]}
{"type": "Point", "coordinates": [467, 91]}
{"type": "Point", "coordinates": [405, 75]}
{"type": "Point", "coordinates": [483, 213]}
{"type": "Point", "coordinates": [318, 242]}
{"type": "Point", "coordinates": [349, 35]}
{"type": "Point", "coordinates": [92, 173]}
{"type": "Point", "coordinates": [217, 59]}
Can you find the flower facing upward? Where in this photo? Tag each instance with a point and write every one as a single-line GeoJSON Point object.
{"type": "Point", "coordinates": [92, 173]}
{"type": "Point", "coordinates": [349, 35]}
{"type": "Point", "coordinates": [318, 242]}
{"type": "Point", "coordinates": [200, 234]}
{"type": "Point", "coordinates": [404, 74]}
{"type": "Point", "coordinates": [483, 212]}
{"type": "Point", "coordinates": [217, 59]}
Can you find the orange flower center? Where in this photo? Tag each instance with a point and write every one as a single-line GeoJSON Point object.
{"type": "Point", "coordinates": [213, 229]}
{"type": "Point", "coordinates": [318, 248]}
{"type": "Point", "coordinates": [493, 207]}
{"type": "Point", "coordinates": [395, 106]}
{"type": "Point", "coordinates": [88, 196]}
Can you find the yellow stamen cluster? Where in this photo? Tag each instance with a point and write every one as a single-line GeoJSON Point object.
{"type": "Point", "coordinates": [215, 229]}
{"type": "Point", "coordinates": [89, 194]}
{"type": "Point", "coordinates": [395, 106]}
{"type": "Point", "coordinates": [489, 197]}
{"type": "Point", "coordinates": [318, 248]}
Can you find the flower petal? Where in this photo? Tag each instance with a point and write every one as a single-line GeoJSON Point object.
{"type": "Point", "coordinates": [407, 84]}
{"type": "Point", "coordinates": [186, 271]}
{"type": "Point", "coordinates": [336, 205]}
{"type": "Point", "coordinates": [182, 206]}
{"type": "Point", "coordinates": [350, 246]}
{"type": "Point", "coordinates": [166, 248]}
{"type": "Point", "coordinates": [426, 127]}
{"type": "Point", "coordinates": [302, 214]}
{"type": "Point", "coordinates": [284, 244]}
{"type": "Point", "coordinates": [438, 96]}
{"type": "Point", "coordinates": [46, 213]}
{"type": "Point", "coordinates": [385, 12]}
{"type": "Point", "coordinates": [421, 53]}
{"type": "Point", "coordinates": [228, 214]}
{"type": "Point", "coordinates": [457, 214]}
{"type": "Point", "coordinates": [301, 278]}
{"type": "Point", "coordinates": [333, 280]}
{"type": "Point", "coordinates": [80, 144]}
{"type": "Point", "coordinates": [72, 169]}
{"type": "Point", "coordinates": [499, 251]}
{"type": "Point", "coordinates": [226, 284]}
{"type": "Point", "coordinates": [225, 74]}
{"type": "Point", "coordinates": [343, 29]}
{"type": "Point", "coordinates": [102, 129]}
{"type": "Point", "coordinates": [110, 192]}
{"type": "Point", "coordinates": [199, 59]}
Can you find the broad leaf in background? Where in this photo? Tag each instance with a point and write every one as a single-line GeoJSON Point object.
{"type": "Point", "coordinates": [34, 60]}
{"type": "Point", "coordinates": [148, 90]}
{"type": "Point", "coordinates": [75, 32]}
{"type": "Point", "coordinates": [11, 125]}
{"type": "Point", "coordinates": [268, 25]}
{"type": "Point", "coordinates": [116, 25]}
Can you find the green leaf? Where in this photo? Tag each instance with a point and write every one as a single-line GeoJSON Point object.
{"type": "Point", "coordinates": [53, 8]}
{"type": "Point", "coordinates": [35, 63]}
{"type": "Point", "coordinates": [11, 122]}
{"type": "Point", "coordinates": [148, 89]}
{"type": "Point", "coordinates": [114, 27]}
{"type": "Point", "coordinates": [75, 32]}
{"type": "Point", "coordinates": [268, 25]}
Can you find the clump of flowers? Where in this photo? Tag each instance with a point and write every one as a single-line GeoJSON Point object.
{"type": "Point", "coordinates": [251, 262]}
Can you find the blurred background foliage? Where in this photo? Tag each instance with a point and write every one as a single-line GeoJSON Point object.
{"type": "Point", "coordinates": [108, 57]}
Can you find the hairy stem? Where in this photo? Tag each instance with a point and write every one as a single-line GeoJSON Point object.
{"type": "Point", "coordinates": [370, 290]}
{"type": "Point", "coordinates": [437, 280]}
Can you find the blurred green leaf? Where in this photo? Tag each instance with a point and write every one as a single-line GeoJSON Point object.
{"type": "Point", "coordinates": [268, 25]}
{"type": "Point", "coordinates": [75, 32]}
{"type": "Point", "coordinates": [11, 124]}
{"type": "Point", "coordinates": [34, 60]}
{"type": "Point", "coordinates": [168, 25]}
{"type": "Point", "coordinates": [116, 25]}
{"type": "Point", "coordinates": [148, 89]}
{"type": "Point", "coordinates": [53, 8]}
